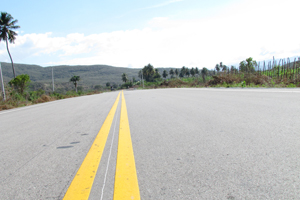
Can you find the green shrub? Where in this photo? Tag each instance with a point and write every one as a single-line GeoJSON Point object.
{"type": "Point", "coordinates": [56, 95]}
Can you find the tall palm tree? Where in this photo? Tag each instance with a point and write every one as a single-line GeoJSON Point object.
{"type": "Point", "coordinates": [124, 78]}
{"type": "Point", "coordinates": [75, 79]}
{"type": "Point", "coordinates": [7, 25]}
{"type": "Point", "coordinates": [217, 67]}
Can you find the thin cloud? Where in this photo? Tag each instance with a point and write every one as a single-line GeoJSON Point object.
{"type": "Point", "coordinates": [150, 7]}
{"type": "Point", "coordinates": [161, 5]}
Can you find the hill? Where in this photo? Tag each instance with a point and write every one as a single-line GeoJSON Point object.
{"type": "Point", "coordinates": [90, 75]}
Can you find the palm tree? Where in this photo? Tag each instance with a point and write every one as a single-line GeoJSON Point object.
{"type": "Point", "coordinates": [204, 73]}
{"type": "Point", "coordinates": [124, 77]}
{"type": "Point", "coordinates": [182, 72]}
{"type": "Point", "coordinates": [176, 72]}
{"type": "Point", "coordinates": [75, 79]}
{"type": "Point", "coordinates": [233, 69]}
{"type": "Point", "coordinates": [172, 73]}
{"type": "Point", "coordinates": [165, 73]}
{"type": "Point", "coordinates": [7, 24]}
{"type": "Point", "coordinates": [224, 68]}
{"type": "Point", "coordinates": [217, 67]}
{"type": "Point", "coordinates": [192, 71]}
{"type": "Point", "coordinates": [187, 72]}
{"type": "Point", "coordinates": [148, 72]}
{"type": "Point", "coordinates": [221, 65]}
{"type": "Point", "coordinates": [197, 71]}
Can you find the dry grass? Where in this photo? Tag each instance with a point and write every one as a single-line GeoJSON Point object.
{"type": "Point", "coordinates": [44, 98]}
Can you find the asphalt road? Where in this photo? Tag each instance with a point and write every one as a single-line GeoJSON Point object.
{"type": "Point", "coordinates": [188, 144]}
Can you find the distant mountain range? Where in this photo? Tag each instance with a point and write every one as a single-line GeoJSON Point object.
{"type": "Point", "coordinates": [90, 75]}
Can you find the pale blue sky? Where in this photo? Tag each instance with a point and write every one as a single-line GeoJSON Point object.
{"type": "Point", "coordinates": [94, 16]}
{"type": "Point", "coordinates": [166, 33]}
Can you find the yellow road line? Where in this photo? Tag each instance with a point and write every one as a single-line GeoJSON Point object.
{"type": "Point", "coordinates": [82, 183]}
{"type": "Point", "coordinates": [126, 182]}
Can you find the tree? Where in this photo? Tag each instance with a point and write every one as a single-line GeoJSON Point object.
{"type": "Point", "coordinates": [172, 73]}
{"type": "Point", "coordinates": [75, 79]}
{"type": "Point", "coordinates": [197, 71]}
{"type": "Point", "coordinates": [182, 72]}
{"type": "Point", "coordinates": [187, 72]}
{"type": "Point", "coordinates": [148, 72]}
{"type": "Point", "coordinates": [20, 82]}
{"type": "Point", "coordinates": [248, 65]}
{"type": "Point", "coordinates": [204, 73]}
{"type": "Point", "coordinates": [140, 75]}
{"type": "Point", "coordinates": [124, 78]}
{"type": "Point", "coordinates": [224, 68]}
{"type": "Point", "coordinates": [221, 65]}
{"type": "Point", "coordinates": [181, 75]}
{"type": "Point", "coordinates": [217, 67]}
{"type": "Point", "coordinates": [7, 25]}
{"type": "Point", "coordinates": [192, 72]}
{"type": "Point", "coordinates": [176, 72]}
{"type": "Point", "coordinates": [156, 74]}
{"type": "Point", "coordinates": [165, 73]}
{"type": "Point", "coordinates": [107, 84]}
{"type": "Point", "coordinates": [233, 69]}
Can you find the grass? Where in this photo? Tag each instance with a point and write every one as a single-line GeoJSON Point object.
{"type": "Point", "coordinates": [14, 99]}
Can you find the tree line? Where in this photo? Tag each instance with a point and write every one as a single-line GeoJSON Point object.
{"type": "Point", "coordinates": [150, 74]}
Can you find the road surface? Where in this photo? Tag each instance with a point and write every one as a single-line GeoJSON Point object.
{"type": "Point", "coordinates": [187, 144]}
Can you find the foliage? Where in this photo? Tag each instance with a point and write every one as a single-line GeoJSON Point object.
{"type": "Point", "coordinates": [192, 71]}
{"type": "Point", "coordinates": [57, 95]}
{"type": "Point", "coordinates": [165, 73]}
{"type": "Point", "coordinates": [34, 95]}
{"type": "Point", "coordinates": [204, 73]}
{"type": "Point", "coordinates": [107, 84]}
{"type": "Point", "coordinates": [172, 73]}
{"type": "Point", "coordinates": [75, 79]}
{"type": "Point", "coordinates": [20, 83]}
{"type": "Point", "coordinates": [156, 74]}
{"type": "Point", "coordinates": [134, 80]}
{"type": "Point", "coordinates": [7, 25]}
{"type": "Point", "coordinates": [176, 72]}
{"type": "Point", "coordinates": [197, 71]}
{"type": "Point", "coordinates": [150, 74]}
{"type": "Point", "coordinates": [247, 65]}
{"type": "Point", "coordinates": [217, 67]}
{"type": "Point", "coordinates": [182, 72]}
{"type": "Point", "coordinates": [187, 72]}
{"type": "Point", "coordinates": [127, 85]}
{"type": "Point", "coordinates": [124, 78]}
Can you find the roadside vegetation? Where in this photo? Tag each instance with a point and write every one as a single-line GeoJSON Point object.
{"type": "Point", "coordinates": [18, 93]}
{"type": "Point", "coordinates": [249, 73]}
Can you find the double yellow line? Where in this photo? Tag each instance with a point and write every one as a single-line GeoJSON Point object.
{"type": "Point", "coordinates": [126, 182]}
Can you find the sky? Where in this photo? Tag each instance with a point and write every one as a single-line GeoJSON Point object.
{"type": "Point", "coordinates": [164, 33]}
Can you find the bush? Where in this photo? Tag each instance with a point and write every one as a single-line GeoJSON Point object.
{"type": "Point", "coordinates": [43, 98]}
{"type": "Point", "coordinates": [34, 95]}
{"type": "Point", "coordinates": [56, 95]}
{"type": "Point", "coordinates": [126, 85]}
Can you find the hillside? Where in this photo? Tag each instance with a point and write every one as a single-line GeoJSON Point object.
{"type": "Point", "coordinates": [90, 75]}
